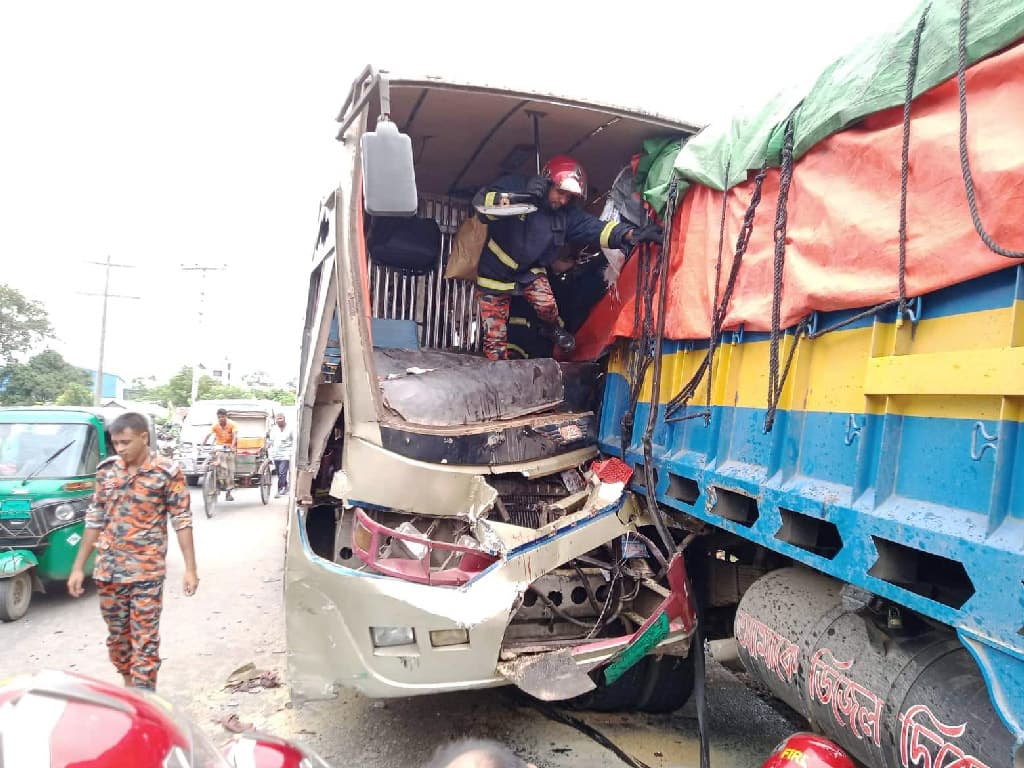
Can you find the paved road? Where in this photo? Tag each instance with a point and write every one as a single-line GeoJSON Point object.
{"type": "Point", "coordinates": [237, 617]}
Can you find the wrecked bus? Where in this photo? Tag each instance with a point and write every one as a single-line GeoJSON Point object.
{"type": "Point", "coordinates": [448, 532]}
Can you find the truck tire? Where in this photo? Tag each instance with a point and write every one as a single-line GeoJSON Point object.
{"type": "Point", "coordinates": [15, 596]}
{"type": "Point", "coordinates": [655, 685]}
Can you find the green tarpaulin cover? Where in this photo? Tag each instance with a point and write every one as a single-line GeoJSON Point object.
{"type": "Point", "coordinates": [866, 80]}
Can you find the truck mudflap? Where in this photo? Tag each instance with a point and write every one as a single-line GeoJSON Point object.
{"type": "Point", "coordinates": [570, 672]}
{"type": "Point", "coordinates": [15, 561]}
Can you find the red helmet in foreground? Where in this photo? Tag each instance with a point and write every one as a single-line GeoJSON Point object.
{"type": "Point", "coordinates": [566, 174]}
{"type": "Point", "coordinates": [808, 750]}
{"type": "Point", "coordinates": [68, 721]}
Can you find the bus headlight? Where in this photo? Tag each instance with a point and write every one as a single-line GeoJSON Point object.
{"type": "Point", "coordinates": [443, 638]}
{"type": "Point", "coordinates": [388, 637]}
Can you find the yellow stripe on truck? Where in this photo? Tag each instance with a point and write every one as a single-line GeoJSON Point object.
{"type": "Point", "coordinates": [870, 370]}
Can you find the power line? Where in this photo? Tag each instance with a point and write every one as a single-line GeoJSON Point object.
{"type": "Point", "coordinates": [107, 265]}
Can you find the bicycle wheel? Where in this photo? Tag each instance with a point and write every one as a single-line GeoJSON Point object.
{"type": "Point", "coordinates": [210, 490]}
{"type": "Point", "coordinates": [265, 484]}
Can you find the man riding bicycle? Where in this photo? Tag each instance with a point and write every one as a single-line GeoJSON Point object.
{"type": "Point", "coordinates": [225, 440]}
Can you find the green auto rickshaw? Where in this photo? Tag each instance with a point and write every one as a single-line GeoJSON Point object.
{"type": "Point", "coordinates": [48, 458]}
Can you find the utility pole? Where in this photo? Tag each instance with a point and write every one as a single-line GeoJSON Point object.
{"type": "Point", "coordinates": [202, 270]}
{"type": "Point", "coordinates": [98, 392]}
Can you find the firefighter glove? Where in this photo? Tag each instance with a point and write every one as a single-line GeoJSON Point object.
{"type": "Point", "coordinates": [649, 233]}
{"type": "Point", "coordinates": [537, 187]}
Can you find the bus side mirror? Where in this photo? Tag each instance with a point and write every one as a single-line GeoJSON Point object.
{"type": "Point", "coordinates": [389, 179]}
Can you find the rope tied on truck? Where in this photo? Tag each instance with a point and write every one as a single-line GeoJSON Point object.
{"type": "Point", "coordinates": [775, 381]}
{"type": "Point", "coordinates": [681, 399]}
{"type": "Point", "coordinates": [905, 161]}
{"type": "Point", "coordinates": [641, 352]}
{"type": "Point", "coordinates": [965, 162]}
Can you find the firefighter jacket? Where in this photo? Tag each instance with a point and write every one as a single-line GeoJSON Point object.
{"type": "Point", "coordinates": [518, 249]}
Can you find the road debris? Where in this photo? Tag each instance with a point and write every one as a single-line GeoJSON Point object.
{"type": "Point", "coordinates": [233, 724]}
{"type": "Point", "coordinates": [249, 678]}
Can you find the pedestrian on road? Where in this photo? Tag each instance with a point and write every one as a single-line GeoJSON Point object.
{"type": "Point", "coordinates": [225, 438]}
{"type": "Point", "coordinates": [282, 442]}
{"type": "Point", "coordinates": [136, 492]}
{"type": "Point", "coordinates": [476, 753]}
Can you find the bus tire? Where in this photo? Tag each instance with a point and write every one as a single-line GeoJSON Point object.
{"type": "Point", "coordinates": [657, 684]}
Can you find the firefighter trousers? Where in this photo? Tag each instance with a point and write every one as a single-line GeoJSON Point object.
{"type": "Point", "coordinates": [494, 309]}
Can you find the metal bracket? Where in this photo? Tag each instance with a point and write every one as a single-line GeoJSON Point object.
{"type": "Point", "coordinates": [812, 323]}
{"type": "Point", "coordinates": [913, 312]}
{"type": "Point", "coordinates": [853, 429]}
{"type": "Point", "coordinates": [384, 88]}
{"type": "Point", "coordinates": [737, 335]}
{"type": "Point", "coordinates": [990, 441]}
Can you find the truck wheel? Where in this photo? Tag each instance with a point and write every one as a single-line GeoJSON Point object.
{"type": "Point", "coordinates": [654, 685]}
{"type": "Point", "coordinates": [15, 596]}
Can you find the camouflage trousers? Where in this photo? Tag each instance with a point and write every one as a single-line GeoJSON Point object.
{"type": "Point", "coordinates": [494, 308]}
{"type": "Point", "coordinates": [132, 613]}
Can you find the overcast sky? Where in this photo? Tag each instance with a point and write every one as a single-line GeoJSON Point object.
{"type": "Point", "coordinates": [203, 133]}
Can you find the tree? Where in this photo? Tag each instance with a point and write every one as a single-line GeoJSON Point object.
{"type": "Point", "coordinates": [226, 392]}
{"type": "Point", "coordinates": [41, 380]}
{"type": "Point", "coordinates": [178, 390]}
{"type": "Point", "coordinates": [23, 322]}
{"type": "Point", "coordinates": [282, 396]}
{"type": "Point", "coordinates": [75, 394]}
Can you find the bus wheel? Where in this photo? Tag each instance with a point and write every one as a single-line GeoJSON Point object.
{"type": "Point", "coordinates": [656, 684]}
{"type": "Point", "coordinates": [15, 596]}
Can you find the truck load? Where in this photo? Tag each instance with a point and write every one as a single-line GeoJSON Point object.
{"type": "Point", "coordinates": [825, 478]}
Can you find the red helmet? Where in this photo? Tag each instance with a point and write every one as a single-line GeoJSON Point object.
{"type": "Point", "coordinates": [808, 750]}
{"type": "Point", "coordinates": [63, 720]}
{"type": "Point", "coordinates": [566, 174]}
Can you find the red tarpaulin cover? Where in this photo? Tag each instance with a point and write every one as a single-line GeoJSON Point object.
{"type": "Point", "coordinates": [842, 245]}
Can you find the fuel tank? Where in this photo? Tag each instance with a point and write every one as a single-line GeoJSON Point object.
{"type": "Point", "coordinates": [893, 690]}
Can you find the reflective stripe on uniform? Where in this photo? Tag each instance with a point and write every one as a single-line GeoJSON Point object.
{"type": "Point", "coordinates": [538, 270]}
{"type": "Point", "coordinates": [518, 349]}
{"type": "Point", "coordinates": [495, 285]}
{"type": "Point", "coordinates": [489, 199]}
{"type": "Point", "coordinates": [503, 257]}
{"type": "Point", "coordinates": [519, 321]}
{"type": "Point", "coordinates": [606, 234]}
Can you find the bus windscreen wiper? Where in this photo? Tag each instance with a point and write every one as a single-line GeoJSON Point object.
{"type": "Point", "coordinates": [46, 463]}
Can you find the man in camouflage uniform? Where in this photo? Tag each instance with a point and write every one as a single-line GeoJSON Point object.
{"type": "Point", "coordinates": [136, 492]}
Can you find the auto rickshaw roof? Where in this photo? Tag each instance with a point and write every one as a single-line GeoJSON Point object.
{"type": "Point", "coordinates": [52, 414]}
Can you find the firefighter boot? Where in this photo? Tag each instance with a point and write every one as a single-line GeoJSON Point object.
{"type": "Point", "coordinates": [562, 338]}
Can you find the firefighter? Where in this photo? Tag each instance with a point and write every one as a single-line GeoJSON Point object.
{"type": "Point", "coordinates": [518, 249]}
{"type": "Point", "coordinates": [808, 750]}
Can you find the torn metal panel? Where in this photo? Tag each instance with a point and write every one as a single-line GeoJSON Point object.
{"type": "Point", "coordinates": [447, 389]}
{"type": "Point", "coordinates": [506, 442]}
{"type": "Point", "coordinates": [327, 646]}
{"type": "Point", "coordinates": [552, 676]}
{"type": "Point", "coordinates": [330, 401]}
{"type": "Point", "coordinates": [379, 478]}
